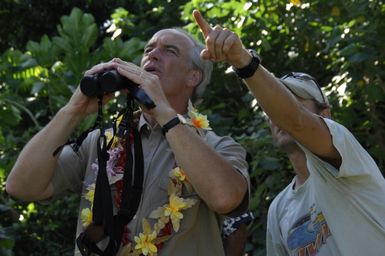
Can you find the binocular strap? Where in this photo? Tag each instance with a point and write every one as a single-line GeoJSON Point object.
{"type": "Point", "coordinates": [104, 223]}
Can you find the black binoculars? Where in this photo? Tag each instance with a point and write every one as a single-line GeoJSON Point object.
{"type": "Point", "coordinates": [111, 81]}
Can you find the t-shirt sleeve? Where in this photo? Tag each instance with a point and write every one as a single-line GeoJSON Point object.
{"type": "Point", "coordinates": [355, 159]}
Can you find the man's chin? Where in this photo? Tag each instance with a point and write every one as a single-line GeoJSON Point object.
{"type": "Point", "coordinates": [157, 73]}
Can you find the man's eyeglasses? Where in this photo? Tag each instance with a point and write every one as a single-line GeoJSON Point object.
{"type": "Point", "coordinates": [305, 77]}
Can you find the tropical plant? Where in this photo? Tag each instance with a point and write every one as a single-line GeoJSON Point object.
{"type": "Point", "coordinates": [332, 40]}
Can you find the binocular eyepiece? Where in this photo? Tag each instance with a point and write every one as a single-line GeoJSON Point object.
{"type": "Point", "coordinates": [111, 81]}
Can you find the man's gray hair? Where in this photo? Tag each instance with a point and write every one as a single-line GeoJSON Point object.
{"type": "Point", "coordinates": [205, 66]}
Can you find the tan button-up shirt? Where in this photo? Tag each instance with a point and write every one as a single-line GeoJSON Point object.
{"type": "Point", "coordinates": [200, 229]}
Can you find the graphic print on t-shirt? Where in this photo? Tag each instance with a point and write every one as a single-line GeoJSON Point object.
{"type": "Point", "coordinates": [308, 234]}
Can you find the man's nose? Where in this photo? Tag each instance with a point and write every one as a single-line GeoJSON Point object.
{"type": "Point", "coordinates": [154, 54]}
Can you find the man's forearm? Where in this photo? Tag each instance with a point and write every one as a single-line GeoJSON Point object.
{"type": "Point", "coordinates": [219, 184]}
{"type": "Point", "coordinates": [33, 170]}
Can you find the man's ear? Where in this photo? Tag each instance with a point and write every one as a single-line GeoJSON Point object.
{"type": "Point", "coordinates": [195, 77]}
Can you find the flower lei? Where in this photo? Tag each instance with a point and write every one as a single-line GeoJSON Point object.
{"type": "Point", "coordinates": [168, 216]}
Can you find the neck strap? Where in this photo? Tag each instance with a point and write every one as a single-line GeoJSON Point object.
{"type": "Point", "coordinates": [104, 223]}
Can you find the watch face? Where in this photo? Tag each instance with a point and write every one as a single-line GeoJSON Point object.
{"type": "Point", "coordinates": [182, 119]}
{"type": "Point", "coordinates": [255, 56]}
{"type": "Point", "coordinates": [253, 53]}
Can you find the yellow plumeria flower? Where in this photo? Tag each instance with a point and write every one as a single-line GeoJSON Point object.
{"type": "Point", "coordinates": [145, 240]}
{"type": "Point", "coordinates": [86, 217]}
{"type": "Point", "coordinates": [197, 120]}
{"type": "Point", "coordinates": [144, 243]}
{"type": "Point", "coordinates": [109, 137]}
{"type": "Point", "coordinates": [119, 119]}
{"type": "Point", "coordinates": [175, 205]}
{"type": "Point", "coordinates": [173, 209]}
{"type": "Point", "coordinates": [91, 193]}
{"type": "Point", "coordinates": [178, 174]}
{"type": "Point", "coordinates": [200, 121]}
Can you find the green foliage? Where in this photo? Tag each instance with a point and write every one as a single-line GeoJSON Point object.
{"type": "Point", "coordinates": [331, 40]}
{"type": "Point", "coordinates": [34, 86]}
{"type": "Point", "coordinates": [42, 230]}
{"type": "Point", "coordinates": [31, 19]}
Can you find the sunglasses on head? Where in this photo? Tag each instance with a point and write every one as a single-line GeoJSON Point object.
{"type": "Point", "coordinates": [305, 77]}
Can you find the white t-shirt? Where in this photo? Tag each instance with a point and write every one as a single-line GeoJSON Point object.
{"type": "Point", "coordinates": [335, 212]}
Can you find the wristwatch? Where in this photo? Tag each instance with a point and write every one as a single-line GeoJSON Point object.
{"type": "Point", "coordinates": [179, 119]}
{"type": "Point", "coordinates": [250, 69]}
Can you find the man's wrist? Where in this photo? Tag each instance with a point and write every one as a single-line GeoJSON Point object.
{"type": "Point", "coordinates": [243, 60]}
{"type": "Point", "coordinates": [248, 70]}
{"type": "Point", "coordinates": [164, 116]}
{"type": "Point", "coordinates": [178, 119]}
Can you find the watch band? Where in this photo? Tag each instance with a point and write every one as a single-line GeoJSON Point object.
{"type": "Point", "coordinates": [170, 124]}
{"type": "Point", "coordinates": [250, 69]}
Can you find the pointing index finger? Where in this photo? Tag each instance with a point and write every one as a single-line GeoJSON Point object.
{"type": "Point", "coordinates": [202, 23]}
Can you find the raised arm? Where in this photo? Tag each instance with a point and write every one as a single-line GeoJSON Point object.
{"type": "Point", "coordinates": [30, 177]}
{"type": "Point", "coordinates": [275, 99]}
{"type": "Point", "coordinates": [216, 181]}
